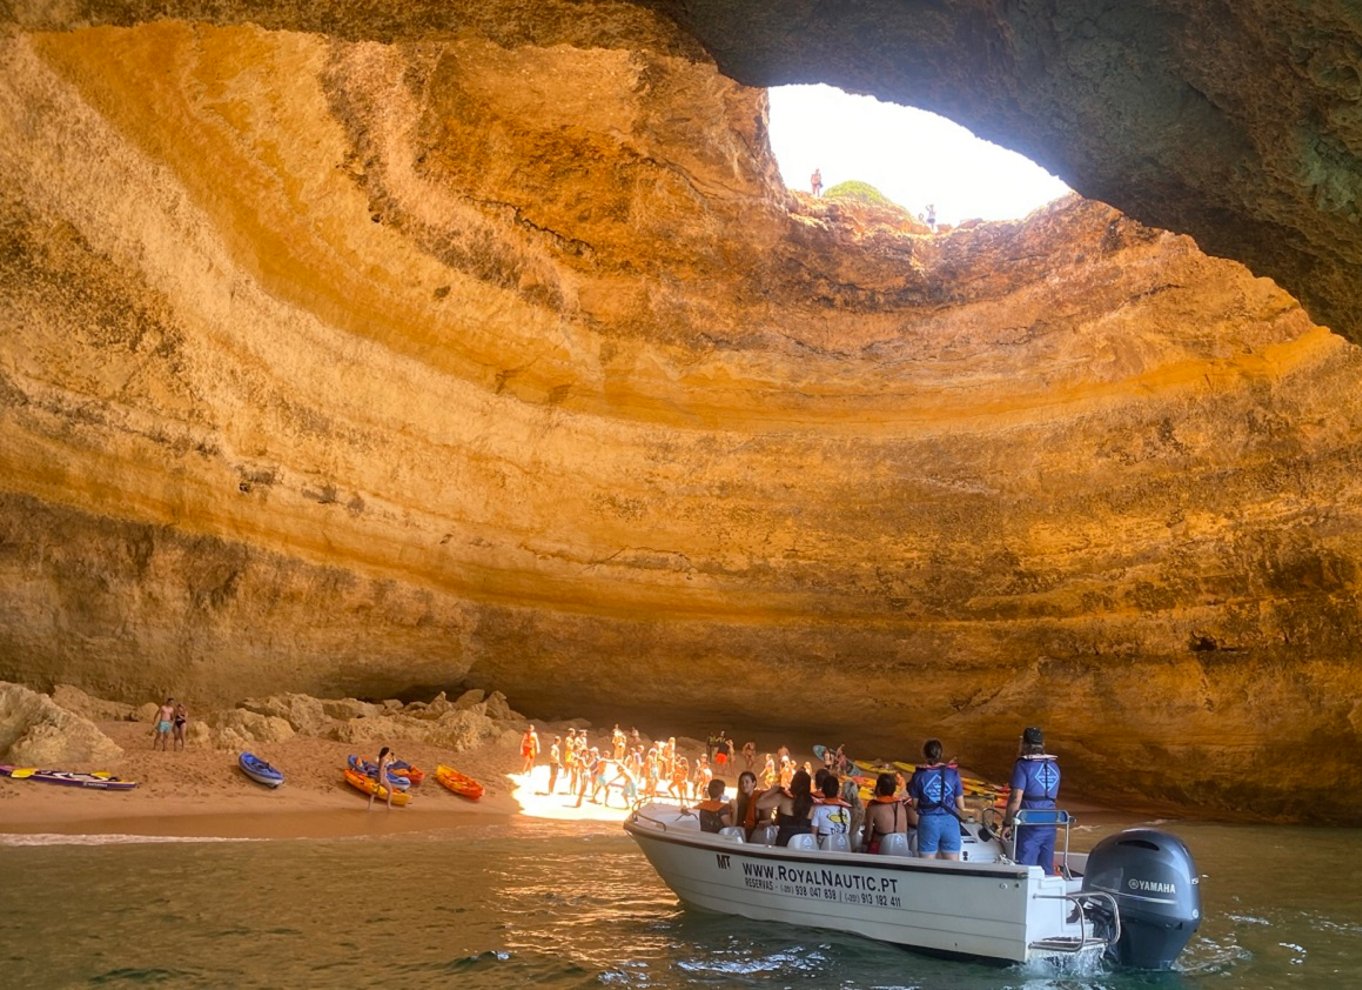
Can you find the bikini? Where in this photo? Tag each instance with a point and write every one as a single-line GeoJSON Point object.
{"type": "Point", "coordinates": [875, 834]}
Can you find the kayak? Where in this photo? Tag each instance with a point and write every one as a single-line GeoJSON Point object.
{"type": "Point", "coordinates": [102, 781]}
{"type": "Point", "coordinates": [368, 785]}
{"type": "Point", "coordinates": [259, 771]}
{"type": "Point", "coordinates": [369, 769]}
{"type": "Point", "coordinates": [401, 768]}
{"type": "Point", "coordinates": [460, 783]}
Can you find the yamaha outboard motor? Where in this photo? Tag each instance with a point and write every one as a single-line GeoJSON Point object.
{"type": "Point", "coordinates": [1157, 891]}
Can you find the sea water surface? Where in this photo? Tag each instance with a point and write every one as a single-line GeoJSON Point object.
{"type": "Point", "coordinates": [571, 905]}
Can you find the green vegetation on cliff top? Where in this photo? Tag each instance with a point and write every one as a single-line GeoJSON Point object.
{"type": "Point", "coordinates": [863, 192]}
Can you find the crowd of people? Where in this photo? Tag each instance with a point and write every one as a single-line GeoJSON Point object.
{"type": "Point", "coordinates": [774, 790]}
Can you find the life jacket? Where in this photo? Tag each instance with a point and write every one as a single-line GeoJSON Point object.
{"type": "Point", "coordinates": [711, 818]}
{"type": "Point", "coordinates": [1041, 787]}
{"type": "Point", "coordinates": [933, 794]}
{"type": "Point", "coordinates": [828, 801]}
{"type": "Point", "coordinates": [749, 811]}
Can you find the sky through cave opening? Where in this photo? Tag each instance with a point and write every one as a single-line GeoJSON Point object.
{"type": "Point", "coordinates": [913, 156]}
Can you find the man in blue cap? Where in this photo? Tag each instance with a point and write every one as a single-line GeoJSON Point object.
{"type": "Point", "coordinates": [1035, 786]}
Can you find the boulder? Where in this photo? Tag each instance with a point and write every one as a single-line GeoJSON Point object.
{"type": "Point", "coordinates": [461, 730]}
{"type": "Point", "coordinates": [73, 699]}
{"type": "Point", "coordinates": [470, 698]}
{"type": "Point", "coordinates": [498, 708]}
{"type": "Point", "coordinates": [304, 713]}
{"type": "Point", "coordinates": [238, 728]}
{"type": "Point", "coordinates": [379, 729]}
{"type": "Point", "coordinates": [345, 708]}
{"type": "Point", "coordinates": [36, 731]}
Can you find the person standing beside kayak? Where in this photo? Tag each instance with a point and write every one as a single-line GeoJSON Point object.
{"type": "Point", "coordinates": [1035, 786]}
{"type": "Point", "coordinates": [385, 760]}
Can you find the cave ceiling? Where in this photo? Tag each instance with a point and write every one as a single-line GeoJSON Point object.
{"type": "Point", "coordinates": [1239, 124]}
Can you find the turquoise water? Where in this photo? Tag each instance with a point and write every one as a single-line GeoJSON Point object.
{"type": "Point", "coordinates": [560, 905]}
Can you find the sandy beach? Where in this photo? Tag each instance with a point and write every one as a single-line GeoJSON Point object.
{"type": "Point", "coordinates": [201, 792]}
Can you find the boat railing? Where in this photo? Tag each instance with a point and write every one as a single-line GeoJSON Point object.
{"type": "Point", "coordinates": [1038, 818]}
{"type": "Point", "coordinates": [1082, 900]}
{"type": "Point", "coordinates": [639, 816]}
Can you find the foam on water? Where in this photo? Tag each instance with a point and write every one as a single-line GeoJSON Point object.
{"type": "Point", "coordinates": [62, 839]}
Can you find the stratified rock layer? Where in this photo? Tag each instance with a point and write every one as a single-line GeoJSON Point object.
{"type": "Point", "coordinates": [350, 366]}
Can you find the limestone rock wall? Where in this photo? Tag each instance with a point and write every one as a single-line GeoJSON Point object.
{"type": "Point", "coordinates": [352, 365]}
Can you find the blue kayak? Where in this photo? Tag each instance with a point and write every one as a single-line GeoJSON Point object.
{"type": "Point", "coordinates": [260, 771]}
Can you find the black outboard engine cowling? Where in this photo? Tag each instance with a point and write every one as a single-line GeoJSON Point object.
{"type": "Point", "coordinates": [1157, 890]}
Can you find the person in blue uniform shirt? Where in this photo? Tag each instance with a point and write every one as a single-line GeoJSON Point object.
{"type": "Point", "coordinates": [1035, 786]}
{"type": "Point", "coordinates": [939, 797]}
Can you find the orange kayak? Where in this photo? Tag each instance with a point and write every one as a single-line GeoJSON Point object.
{"type": "Point", "coordinates": [370, 786]}
{"type": "Point", "coordinates": [461, 784]}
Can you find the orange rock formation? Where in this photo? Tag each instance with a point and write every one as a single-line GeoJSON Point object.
{"type": "Point", "coordinates": [501, 356]}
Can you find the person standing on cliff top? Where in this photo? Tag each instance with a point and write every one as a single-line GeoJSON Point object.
{"type": "Point", "coordinates": [816, 182]}
{"type": "Point", "coordinates": [165, 719]}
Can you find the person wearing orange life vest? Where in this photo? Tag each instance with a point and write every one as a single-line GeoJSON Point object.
{"type": "Point", "coordinates": [886, 814]}
{"type": "Point", "coordinates": [529, 748]}
{"type": "Point", "coordinates": [831, 815]}
{"type": "Point", "coordinates": [745, 811]}
{"type": "Point", "coordinates": [715, 812]}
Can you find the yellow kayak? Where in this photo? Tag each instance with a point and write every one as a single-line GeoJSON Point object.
{"type": "Point", "coordinates": [370, 786]}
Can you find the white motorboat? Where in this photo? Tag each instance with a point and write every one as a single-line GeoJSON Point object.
{"type": "Point", "coordinates": [1134, 898]}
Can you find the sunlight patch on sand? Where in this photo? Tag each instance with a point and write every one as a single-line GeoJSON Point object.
{"type": "Point", "coordinates": [530, 794]}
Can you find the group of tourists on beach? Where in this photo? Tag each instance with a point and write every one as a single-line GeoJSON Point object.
{"type": "Point", "coordinates": [775, 791]}
{"type": "Point", "coordinates": [639, 770]}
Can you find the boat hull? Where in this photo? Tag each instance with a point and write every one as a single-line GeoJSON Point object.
{"type": "Point", "coordinates": [996, 911]}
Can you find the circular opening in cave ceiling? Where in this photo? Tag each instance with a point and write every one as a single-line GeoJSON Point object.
{"type": "Point", "coordinates": [912, 156]}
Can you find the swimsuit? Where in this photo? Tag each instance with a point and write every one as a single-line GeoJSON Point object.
{"type": "Point", "coordinates": [163, 726]}
{"type": "Point", "coordinates": [788, 826]}
{"type": "Point", "coordinates": [875, 834]}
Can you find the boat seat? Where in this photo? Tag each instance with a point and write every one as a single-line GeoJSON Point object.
{"type": "Point", "coordinates": [732, 833]}
{"type": "Point", "coordinates": [836, 842]}
{"type": "Point", "coordinates": [805, 840]}
{"type": "Point", "coordinates": [765, 835]}
{"type": "Point", "coordinates": [894, 845]}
